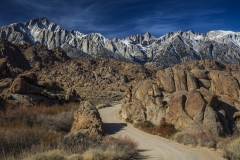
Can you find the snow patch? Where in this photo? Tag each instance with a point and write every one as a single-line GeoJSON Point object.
{"type": "Point", "coordinates": [219, 34]}
{"type": "Point", "coordinates": [126, 42]}
{"type": "Point", "coordinates": [199, 37]}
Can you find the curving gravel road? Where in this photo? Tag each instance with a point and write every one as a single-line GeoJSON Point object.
{"type": "Point", "coordinates": [151, 146]}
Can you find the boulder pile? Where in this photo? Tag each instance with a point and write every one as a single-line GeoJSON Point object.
{"type": "Point", "coordinates": [27, 90]}
{"type": "Point", "coordinates": [195, 101]}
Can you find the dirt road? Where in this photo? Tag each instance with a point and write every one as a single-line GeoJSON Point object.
{"type": "Point", "coordinates": [151, 146]}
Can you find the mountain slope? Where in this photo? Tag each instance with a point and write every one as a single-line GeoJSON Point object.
{"type": "Point", "coordinates": [170, 49]}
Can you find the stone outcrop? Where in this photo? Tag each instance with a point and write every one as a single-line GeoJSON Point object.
{"type": "Point", "coordinates": [195, 101]}
{"type": "Point", "coordinates": [25, 89]}
{"type": "Point", "coordinates": [34, 74]}
{"type": "Point", "coordinates": [87, 121]}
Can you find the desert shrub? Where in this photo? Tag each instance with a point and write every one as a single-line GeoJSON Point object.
{"type": "Point", "coordinates": [166, 130]}
{"type": "Point", "coordinates": [206, 141]}
{"type": "Point", "coordinates": [179, 136]}
{"type": "Point", "coordinates": [50, 155]}
{"type": "Point", "coordinates": [121, 148]}
{"type": "Point", "coordinates": [53, 110]}
{"type": "Point", "coordinates": [22, 113]}
{"type": "Point", "coordinates": [94, 154]}
{"type": "Point", "coordinates": [189, 139]}
{"type": "Point", "coordinates": [163, 129]}
{"type": "Point", "coordinates": [39, 133]}
{"type": "Point", "coordinates": [75, 157]}
{"type": "Point", "coordinates": [20, 130]}
{"type": "Point", "coordinates": [19, 138]}
{"type": "Point", "coordinates": [224, 142]}
{"type": "Point", "coordinates": [233, 149]}
{"type": "Point", "coordinates": [58, 122]}
{"type": "Point", "coordinates": [79, 143]}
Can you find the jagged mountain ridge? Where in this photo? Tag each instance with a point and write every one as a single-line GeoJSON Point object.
{"type": "Point", "coordinates": [167, 50]}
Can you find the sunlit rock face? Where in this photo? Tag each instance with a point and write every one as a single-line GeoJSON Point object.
{"type": "Point", "coordinates": [196, 101]}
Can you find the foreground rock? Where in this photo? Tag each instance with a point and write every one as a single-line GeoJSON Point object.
{"type": "Point", "coordinates": [195, 101]}
{"type": "Point", "coordinates": [87, 121]}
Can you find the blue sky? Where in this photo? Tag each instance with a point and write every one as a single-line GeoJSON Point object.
{"type": "Point", "coordinates": [121, 18]}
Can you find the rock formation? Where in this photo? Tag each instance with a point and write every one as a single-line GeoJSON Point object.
{"type": "Point", "coordinates": [33, 74]}
{"type": "Point", "coordinates": [26, 90]}
{"type": "Point", "coordinates": [193, 100]}
{"type": "Point", "coordinates": [87, 121]}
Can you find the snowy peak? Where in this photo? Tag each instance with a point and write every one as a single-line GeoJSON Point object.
{"type": "Point", "coordinates": [217, 34]}
{"type": "Point", "coordinates": [77, 34]}
{"type": "Point", "coordinates": [167, 50]}
{"type": "Point", "coordinates": [41, 22]}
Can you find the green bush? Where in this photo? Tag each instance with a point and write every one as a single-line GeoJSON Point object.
{"type": "Point", "coordinates": [179, 137]}
{"type": "Point", "coordinates": [189, 140]}
{"type": "Point", "coordinates": [233, 149]}
{"type": "Point", "coordinates": [207, 142]}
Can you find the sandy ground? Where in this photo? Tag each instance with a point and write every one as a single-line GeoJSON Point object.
{"type": "Point", "coordinates": [151, 146]}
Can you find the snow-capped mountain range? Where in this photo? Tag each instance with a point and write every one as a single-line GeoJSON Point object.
{"type": "Point", "coordinates": [167, 50]}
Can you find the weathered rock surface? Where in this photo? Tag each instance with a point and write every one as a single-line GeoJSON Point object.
{"type": "Point", "coordinates": [25, 90]}
{"type": "Point", "coordinates": [87, 121]}
{"type": "Point", "coordinates": [193, 100]}
{"type": "Point", "coordinates": [34, 74]}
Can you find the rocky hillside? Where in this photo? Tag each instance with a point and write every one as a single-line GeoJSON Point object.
{"type": "Point", "coordinates": [167, 50]}
{"type": "Point", "coordinates": [194, 100]}
{"type": "Point", "coordinates": [34, 74]}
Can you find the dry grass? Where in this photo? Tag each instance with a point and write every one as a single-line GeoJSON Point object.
{"type": "Point", "coordinates": [75, 157]}
{"type": "Point", "coordinates": [189, 139]}
{"type": "Point", "coordinates": [201, 139]}
{"type": "Point", "coordinates": [50, 155]}
{"type": "Point", "coordinates": [39, 133]}
{"type": "Point", "coordinates": [163, 129]}
{"type": "Point", "coordinates": [107, 149]}
{"type": "Point", "coordinates": [18, 138]}
{"type": "Point", "coordinates": [94, 154]}
{"type": "Point", "coordinates": [184, 138]}
{"type": "Point", "coordinates": [22, 113]}
{"type": "Point", "coordinates": [22, 133]}
{"type": "Point", "coordinates": [206, 141]}
{"type": "Point", "coordinates": [58, 122]}
{"type": "Point", "coordinates": [111, 149]}
{"type": "Point", "coordinates": [233, 149]}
